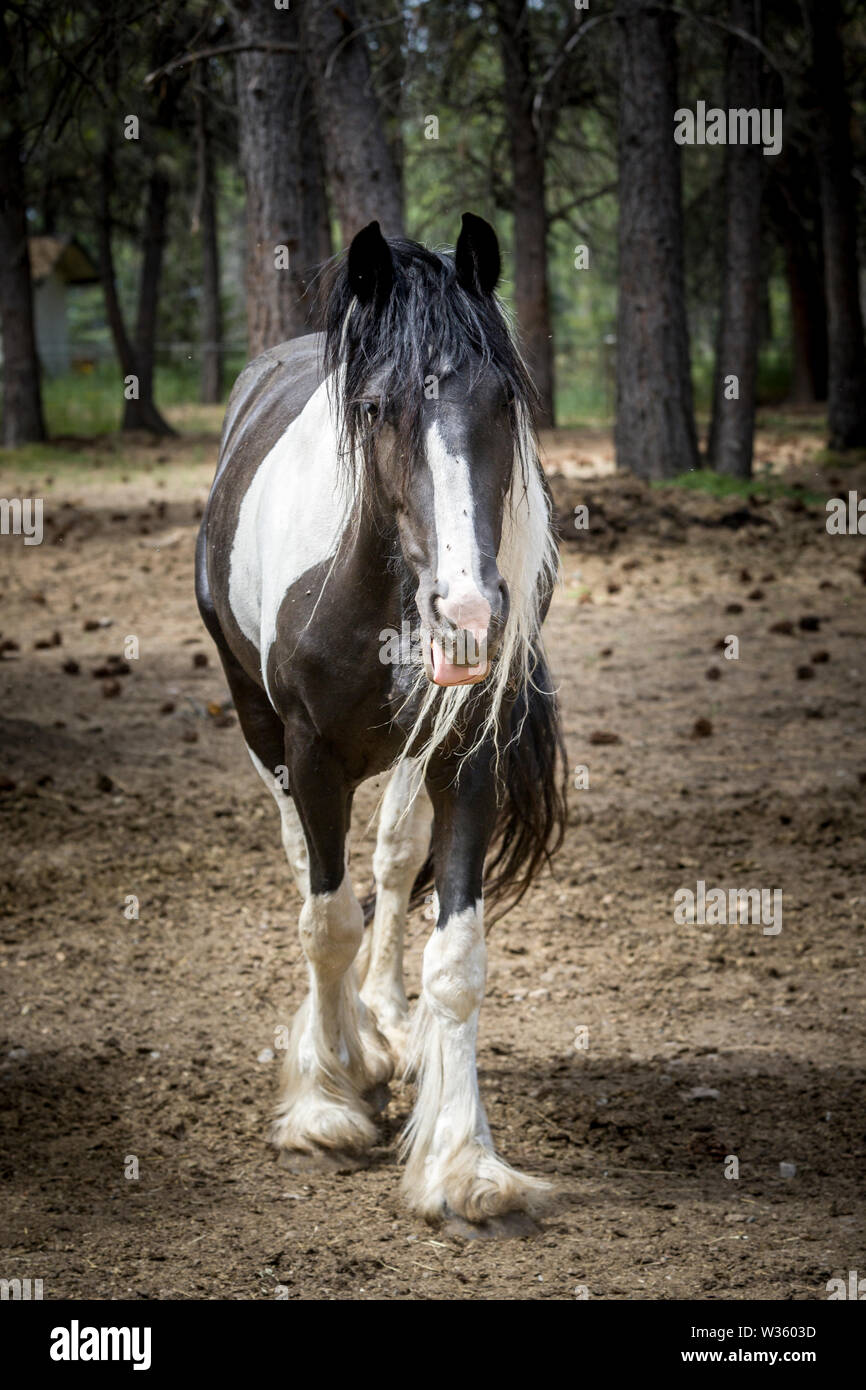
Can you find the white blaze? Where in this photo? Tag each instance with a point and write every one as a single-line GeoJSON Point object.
{"type": "Point", "coordinates": [457, 560]}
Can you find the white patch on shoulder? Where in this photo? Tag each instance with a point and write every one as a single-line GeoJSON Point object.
{"type": "Point", "coordinates": [292, 517]}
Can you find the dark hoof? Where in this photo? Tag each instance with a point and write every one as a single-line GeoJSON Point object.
{"type": "Point", "coordinates": [512, 1226]}
{"type": "Point", "coordinates": [378, 1098]}
{"type": "Point", "coordinates": [322, 1161]}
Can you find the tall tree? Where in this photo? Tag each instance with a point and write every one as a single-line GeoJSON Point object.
{"type": "Point", "coordinates": [846, 389]}
{"type": "Point", "coordinates": [317, 246]}
{"type": "Point", "coordinates": [137, 416]}
{"type": "Point", "coordinates": [206, 220]}
{"type": "Point", "coordinates": [269, 76]}
{"type": "Point", "coordinates": [732, 426]}
{"type": "Point", "coordinates": [793, 204]}
{"type": "Point", "coordinates": [22, 401]}
{"type": "Point", "coordinates": [145, 152]}
{"type": "Point", "coordinates": [140, 411]}
{"type": "Point", "coordinates": [655, 428]}
{"type": "Point", "coordinates": [362, 174]}
{"type": "Point", "coordinates": [528, 200]}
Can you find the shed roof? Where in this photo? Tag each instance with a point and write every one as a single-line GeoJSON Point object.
{"type": "Point", "coordinates": [63, 256]}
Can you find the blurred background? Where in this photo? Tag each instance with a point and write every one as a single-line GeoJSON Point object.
{"type": "Point", "coordinates": [174, 176]}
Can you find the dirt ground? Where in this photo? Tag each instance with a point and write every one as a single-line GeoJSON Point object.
{"type": "Point", "coordinates": [151, 1038]}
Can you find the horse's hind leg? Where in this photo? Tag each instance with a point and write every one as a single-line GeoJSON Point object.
{"type": "Point", "coordinates": [336, 1053]}
{"type": "Point", "coordinates": [452, 1169]}
{"type": "Point", "coordinates": [401, 848]}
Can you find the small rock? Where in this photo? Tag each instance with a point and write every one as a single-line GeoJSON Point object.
{"type": "Point", "coordinates": [701, 1093]}
{"type": "Point", "coordinates": [805, 673]}
{"type": "Point", "coordinates": [787, 1170]}
{"type": "Point", "coordinates": [604, 736]}
{"type": "Point", "coordinates": [702, 728]}
{"type": "Point", "coordinates": [809, 623]}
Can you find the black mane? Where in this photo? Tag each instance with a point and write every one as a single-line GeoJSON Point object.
{"type": "Point", "coordinates": [427, 323]}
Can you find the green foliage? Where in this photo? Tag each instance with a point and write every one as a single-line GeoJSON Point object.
{"type": "Point", "coordinates": [90, 402]}
{"type": "Point", "coordinates": [719, 485]}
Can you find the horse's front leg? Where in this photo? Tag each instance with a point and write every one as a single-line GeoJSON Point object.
{"type": "Point", "coordinates": [336, 1056]}
{"type": "Point", "coordinates": [401, 848]}
{"type": "Point", "coordinates": [452, 1169]}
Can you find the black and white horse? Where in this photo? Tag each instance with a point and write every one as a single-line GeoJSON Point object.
{"type": "Point", "coordinates": [374, 565]}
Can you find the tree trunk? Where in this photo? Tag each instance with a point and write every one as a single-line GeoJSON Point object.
{"type": "Point", "coordinates": [316, 243]}
{"type": "Point", "coordinates": [846, 389]}
{"type": "Point", "coordinates": [145, 415]}
{"type": "Point", "coordinates": [808, 323]}
{"type": "Point", "coordinates": [206, 216]}
{"type": "Point", "coordinates": [655, 428]}
{"type": "Point", "coordinates": [139, 414]}
{"type": "Point", "coordinates": [531, 296]}
{"type": "Point", "coordinates": [791, 197]}
{"type": "Point", "coordinates": [22, 400]}
{"type": "Point", "coordinates": [268, 117]}
{"type": "Point", "coordinates": [732, 427]}
{"type": "Point", "coordinates": [363, 179]}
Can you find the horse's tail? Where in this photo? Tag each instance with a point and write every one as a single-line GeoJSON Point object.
{"type": "Point", "coordinates": [533, 810]}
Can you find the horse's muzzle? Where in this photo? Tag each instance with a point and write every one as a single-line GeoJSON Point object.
{"type": "Point", "coordinates": [459, 657]}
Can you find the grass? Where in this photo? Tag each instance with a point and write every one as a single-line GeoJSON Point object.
{"type": "Point", "coordinates": [91, 403]}
{"type": "Point", "coordinates": [586, 388]}
{"type": "Point", "coordinates": [830, 458]}
{"type": "Point", "coordinates": [721, 486]}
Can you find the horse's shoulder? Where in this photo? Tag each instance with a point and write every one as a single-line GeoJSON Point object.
{"type": "Point", "coordinates": [269, 393]}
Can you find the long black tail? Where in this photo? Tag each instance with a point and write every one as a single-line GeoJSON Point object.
{"type": "Point", "coordinates": [533, 813]}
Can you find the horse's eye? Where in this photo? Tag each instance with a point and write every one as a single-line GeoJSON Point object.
{"type": "Point", "coordinates": [371, 410]}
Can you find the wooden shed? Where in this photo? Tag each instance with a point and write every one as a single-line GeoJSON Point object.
{"type": "Point", "coordinates": [56, 263]}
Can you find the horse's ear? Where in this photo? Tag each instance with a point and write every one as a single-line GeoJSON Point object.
{"type": "Point", "coordinates": [371, 265]}
{"type": "Point", "coordinates": [477, 255]}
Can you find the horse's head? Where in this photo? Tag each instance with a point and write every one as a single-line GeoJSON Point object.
{"type": "Point", "coordinates": [434, 398]}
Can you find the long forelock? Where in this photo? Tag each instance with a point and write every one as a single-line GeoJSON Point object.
{"type": "Point", "coordinates": [428, 326]}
